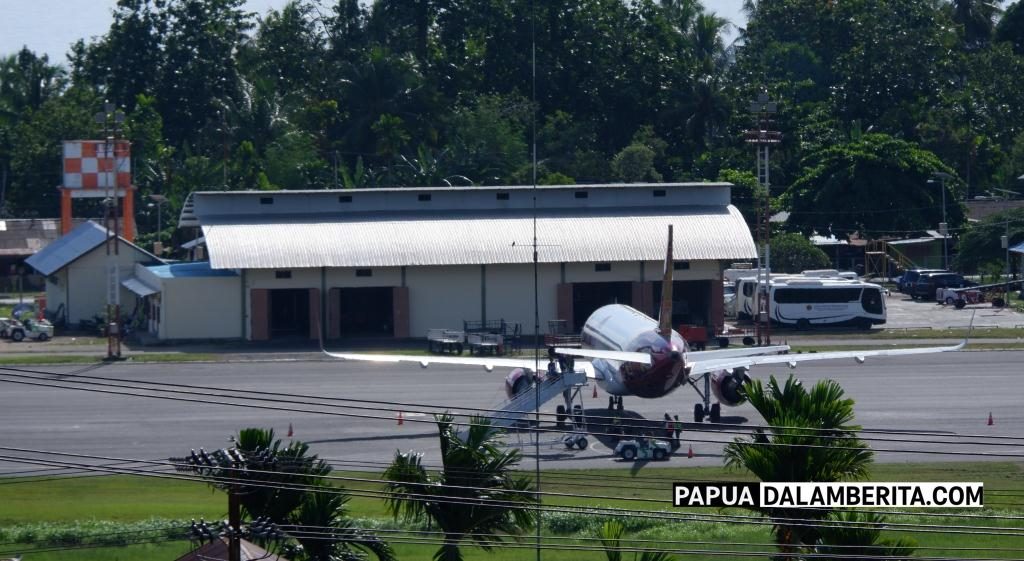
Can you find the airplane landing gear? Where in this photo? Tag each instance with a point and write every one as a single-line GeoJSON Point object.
{"type": "Point", "coordinates": [713, 411]}
{"type": "Point", "coordinates": [615, 403]}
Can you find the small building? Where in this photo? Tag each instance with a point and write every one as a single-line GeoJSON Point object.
{"type": "Point", "coordinates": [21, 238]}
{"type": "Point", "coordinates": [395, 262]}
{"type": "Point", "coordinates": [188, 301]}
{"type": "Point", "coordinates": [75, 267]}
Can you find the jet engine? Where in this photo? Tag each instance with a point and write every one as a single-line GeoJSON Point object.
{"type": "Point", "coordinates": [726, 386]}
{"type": "Point", "coordinates": [517, 381]}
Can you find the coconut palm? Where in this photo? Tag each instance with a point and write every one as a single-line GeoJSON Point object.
{"type": "Point", "coordinates": [810, 438]}
{"type": "Point", "coordinates": [978, 18]}
{"type": "Point", "coordinates": [475, 494]}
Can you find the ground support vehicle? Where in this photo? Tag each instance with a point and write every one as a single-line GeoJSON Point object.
{"type": "Point", "coordinates": [643, 449]}
{"type": "Point", "coordinates": [485, 343]}
{"type": "Point", "coordinates": [5, 327]}
{"type": "Point", "coordinates": [445, 340]}
{"type": "Point", "coordinates": [38, 329]}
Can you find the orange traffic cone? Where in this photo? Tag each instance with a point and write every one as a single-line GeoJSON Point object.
{"type": "Point", "coordinates": [401, 420]}
{"type": "Point", "coordinates": [595, 391]}
{"type": "Point", "coordinates": [290, 431]}
{"type": "Point", "coordinates": [990, 420]}
{"type": "Point", "coordinates": [689, 453]}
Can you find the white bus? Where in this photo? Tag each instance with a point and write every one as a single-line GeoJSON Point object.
{"type": "Point", "coordinates": [806, 302]}
{"type": "Point", "coordinates": [745, 305]}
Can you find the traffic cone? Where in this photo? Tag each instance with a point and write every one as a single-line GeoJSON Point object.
{"type": "Point", "coordinates": [595, 391]}
{"type": "Point", "coordinates": [990, 420]}
{"type": "Point", "coordinates": [290, 431]}
{"type": "Point", "coordinates": [401, 420]}
{"type": "Point", "coordinates": [689, 453]}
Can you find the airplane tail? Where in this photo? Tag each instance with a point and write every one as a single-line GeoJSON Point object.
{"type": "Point", "coordinates": [665, 313]}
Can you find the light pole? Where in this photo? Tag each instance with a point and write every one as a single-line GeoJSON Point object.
{"type": "Point", "coordinates": [943, 177]}
{"type": "Point", "coordinates": [159, 200]}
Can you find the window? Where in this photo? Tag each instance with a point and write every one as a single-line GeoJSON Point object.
{"type": "Point", "coordinates": [344, 198]}
{"type": "Point", "coordinates": [502, 196]}
{"type": "Point", "coordinates": [266, 200]}
{"type": "Point", "coordinates": [581, 194]}
{"type": "Point", "coordinates": [681, 265]}
{"type": "Point", "coordinates": [602, 267]}
{"type": "Point", "coordinates": [816, 295]}
{"type": "Point", "coordinates": [364, 272]}
{"type": "Point", "coordinates": [282, 274]}
{"type": "Point", "coordinates": [659, 192]}
{"type": "Point", "coordinates": [423, 197]}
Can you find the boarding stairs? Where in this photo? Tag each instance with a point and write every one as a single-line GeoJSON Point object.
{"type": "Point", "coordinates": [515, 410]}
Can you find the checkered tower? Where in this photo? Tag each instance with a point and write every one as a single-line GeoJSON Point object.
{"type": "Point", "coordinates": [98, 169]}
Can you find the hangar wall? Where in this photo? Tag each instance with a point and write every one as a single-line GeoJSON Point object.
{"type": "Point", "coordinates": [219, 300]}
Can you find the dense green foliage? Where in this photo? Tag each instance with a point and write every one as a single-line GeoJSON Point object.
{"type": "Point", "coordinates": [343, 93]}
{"type": "Point", "coordinates": [793, 253]}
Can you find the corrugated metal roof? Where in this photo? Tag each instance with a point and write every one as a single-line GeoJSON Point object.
{"type": "Point", "coordinates": [84, 238]}
{"type": "Point", "coordinates": [138, 287]}
{"type": "Point", "coordinates": [60, 252]}
{"type": "Point", "coordinates": [701, 233]}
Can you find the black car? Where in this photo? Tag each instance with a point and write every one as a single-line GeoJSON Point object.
{"type": "Point", "coordinates": [906, 281]}
{"type": "Point", "coordinates": [927, 284]}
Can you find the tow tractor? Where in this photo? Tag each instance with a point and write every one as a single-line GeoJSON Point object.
{"type": "Point", "coordinates": [961, 297]}
{"type": "Point", "coordinates": [643, 449]}
{"type": "Point", "coordinates": [38, 329]}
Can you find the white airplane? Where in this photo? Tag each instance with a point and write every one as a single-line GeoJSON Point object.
{"type": "Point", "coordinates": [632, 354]}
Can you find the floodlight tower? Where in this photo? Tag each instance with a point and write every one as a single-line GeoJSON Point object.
{"type": "Point", "coordinates": [111, 121]}
{"type": "Point", "coordinates": [762, 136]}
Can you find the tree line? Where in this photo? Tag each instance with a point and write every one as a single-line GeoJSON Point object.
{"type": "Point", "coordinates": [874, 96]}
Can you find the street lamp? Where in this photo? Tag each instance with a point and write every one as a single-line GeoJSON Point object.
{"type": "Point", "coordinates": [159, 200]}
{"type": "Point", "coordinates": [943, 177]}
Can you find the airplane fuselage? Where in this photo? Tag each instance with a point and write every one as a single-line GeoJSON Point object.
{"type": "Point", "coordinates": [617, 327]}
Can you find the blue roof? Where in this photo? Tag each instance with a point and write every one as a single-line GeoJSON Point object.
{"type": "Point", "coordinates": [62, 252]}
{"type": "Point", "coordinates": [183, 270]}
{"type": "Point", "coordinates": [1019, 248]}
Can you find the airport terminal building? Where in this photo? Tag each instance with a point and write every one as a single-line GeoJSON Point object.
{"type": "Point", "coordinates": [397, 262]}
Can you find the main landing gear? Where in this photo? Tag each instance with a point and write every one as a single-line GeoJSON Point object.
{"type": "Point", "coordinates": [615, 403]}
{"type": "Point", "coordinates": [713, 411]}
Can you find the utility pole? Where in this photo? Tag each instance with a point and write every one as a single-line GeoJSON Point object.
{"type": "Point", "coordinates": [943, 177]}
{"type": "Point", "coordinates": [111, 120]}
{"type": "Point", "coordinates": [762, 136]}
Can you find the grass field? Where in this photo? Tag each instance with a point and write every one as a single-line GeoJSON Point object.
{"type": "Point", "coordinates": [67, 511]}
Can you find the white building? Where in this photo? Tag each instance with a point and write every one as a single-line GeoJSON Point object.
{"type": "Point", "coordinates": [396, 262]}
{"type": "Point", "coordinates": [75, 267]}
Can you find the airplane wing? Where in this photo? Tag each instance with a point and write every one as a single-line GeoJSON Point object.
{"type": "Point", "coordinates": [700, 356]}
{"type": "Point", "coordinates": [621, 356]}
{"type": "Point", "coordinates": [714, 364]}
{"type": "Point", "coordinates": [488, 363]}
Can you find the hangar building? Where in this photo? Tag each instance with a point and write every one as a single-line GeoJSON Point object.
{"type": "Point", "coordinates": [396, 262]}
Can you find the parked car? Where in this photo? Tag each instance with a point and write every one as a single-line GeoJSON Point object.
{"type": "Point", "coordinates": [906, 281]}
{"type": "Point", "coordinates": [927, 285]}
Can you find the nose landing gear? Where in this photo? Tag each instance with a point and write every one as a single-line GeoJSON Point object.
{"type": "Point", "coordinates": [615, 403]}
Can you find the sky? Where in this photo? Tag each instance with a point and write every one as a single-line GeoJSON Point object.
{"type": "Point", "coordinates": [51, 26]}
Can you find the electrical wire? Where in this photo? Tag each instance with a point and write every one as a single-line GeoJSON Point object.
{"type": "Point", "coordinates": [221, 480]}
{"type": "Point", "coordinates": [305, 399]}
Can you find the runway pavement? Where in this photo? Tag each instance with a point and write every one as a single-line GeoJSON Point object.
{"type": "Point", "coordinates": [941, 394]}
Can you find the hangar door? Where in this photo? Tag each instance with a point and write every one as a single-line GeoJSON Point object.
{"type": "Point", "coordinates": [589, 296]}
{"type": "Point", "coordinates": [284, 313]}
{"type": "Point", "coordinates": [374, 311]}
{"type": "Point", "coordinates": [691, 302]}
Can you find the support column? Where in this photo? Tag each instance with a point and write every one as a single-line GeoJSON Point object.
{"type": "Point", "coordinates": [334, 313]}
{"type": "Point", "coordinates": [314, 313]}
{"type": "Point", "coordinates": [564, 305]}
{"type": "Point", "coordinates": [716, 311]}
{"type": "Point", "coordinates": [128, 214]}
{"type": "Point", "coordinates": [400, 310]}
{"type": "Point", "coordinates": [65, 211]}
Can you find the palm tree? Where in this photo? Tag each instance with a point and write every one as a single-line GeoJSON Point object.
{"type": "Point", "coordinates": [475, 495]}
{"type": "Point", "coordinates": [810, 439]}
{"type": "Point", "coordinates": [978, 18]}
{"type": "Point", "coordinates": [322, 527]}
{"type": "Point", "coordinates": [857, 534]}
{"type": "Point", "coordinates": [611, 538]}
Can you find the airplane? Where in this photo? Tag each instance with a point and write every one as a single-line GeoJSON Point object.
{"type": "Point", "coordinates": [633, 354]}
